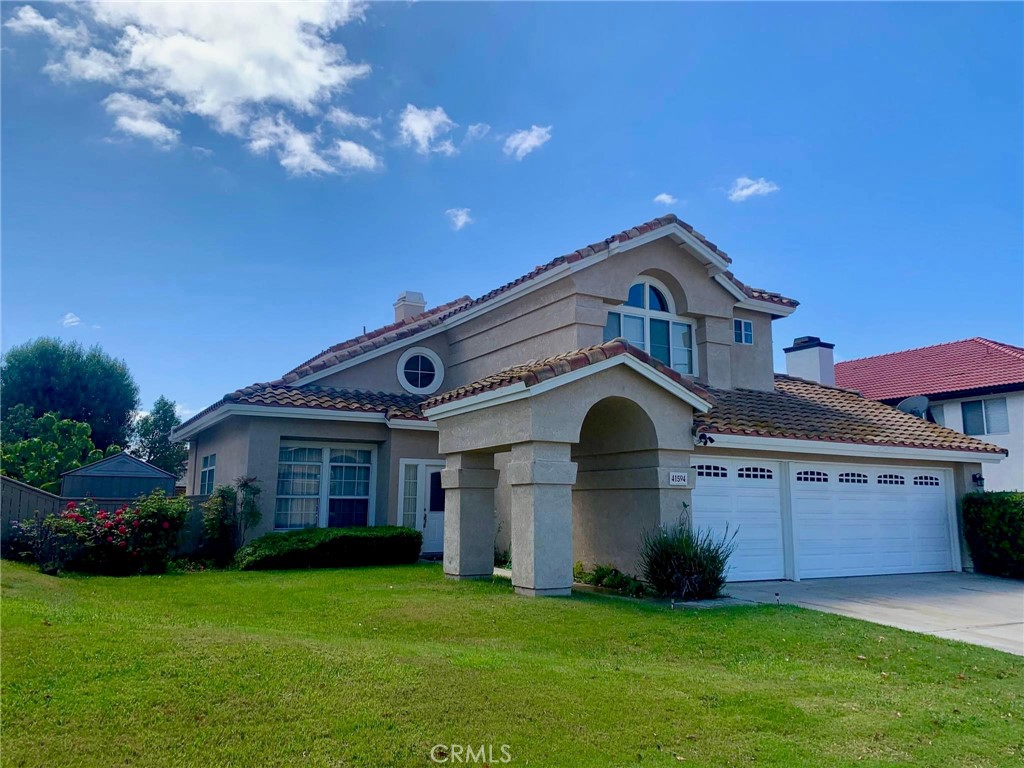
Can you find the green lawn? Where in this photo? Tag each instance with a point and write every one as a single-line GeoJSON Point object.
{"type": "Point", "coordinates": [373, 667]}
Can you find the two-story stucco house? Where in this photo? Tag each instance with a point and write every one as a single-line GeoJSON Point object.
{"type": "Point", "coordinates": [975, 386]}
{"type": "Point", "coordinates": [625, 385]}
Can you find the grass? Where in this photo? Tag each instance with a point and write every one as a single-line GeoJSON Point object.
{"type": "Point", "coordinates": [372, 667]}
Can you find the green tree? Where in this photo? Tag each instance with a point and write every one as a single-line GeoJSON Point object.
{"type": "Point", "coordinates": [52, 447]}
{"type": "Point", "coordinates": [52, 376]}
{"type": "Point", "coordinates": [153, 438]}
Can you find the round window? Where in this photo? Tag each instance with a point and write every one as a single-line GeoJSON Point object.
{"type": "Point", "coordinates": [420, 371]}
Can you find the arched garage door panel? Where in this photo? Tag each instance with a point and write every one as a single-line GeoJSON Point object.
{"type": "Point", "coordinates": [851, 520]}
{"type": "Point", "coordinates": [742, 495]}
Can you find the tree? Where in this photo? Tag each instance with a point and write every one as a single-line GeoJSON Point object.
{"type": "Point", "coordinates": [52, 447]}
{"type": "Point", "coordinates": [52, 376]}
{"type": "Point", "coordinates": [153, 438]}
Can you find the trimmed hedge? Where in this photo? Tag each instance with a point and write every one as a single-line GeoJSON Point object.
{"type": "Point", "coordinates": [994, 529]}
{"type": "Point", "coordinates": [331, 548]}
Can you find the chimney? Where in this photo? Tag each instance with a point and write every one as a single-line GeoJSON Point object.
{"type": "Point", "coordinates": [408, 304]}
{"type": "Point", "coordinates": [811, 358]}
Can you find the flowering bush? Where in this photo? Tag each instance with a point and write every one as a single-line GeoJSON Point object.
{"type": "Point", "coordinates": [135, 538]}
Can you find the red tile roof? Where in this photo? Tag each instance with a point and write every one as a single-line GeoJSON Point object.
{"type": "Point", "coordinates": [390, 404]}
{"type": "Point", "coordinates": [351, 348]}
{"type": "Point", "coordinates": [957, 366]}
{"type": "Point", "coordinates": [796, 409]}
{"type": "Point", "coordinates": [805, 410]}
{"type": "Point", "coordinates": [536, 371]}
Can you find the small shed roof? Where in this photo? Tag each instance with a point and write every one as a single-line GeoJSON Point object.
{"type": "Point", "coordinates": [119, 465]}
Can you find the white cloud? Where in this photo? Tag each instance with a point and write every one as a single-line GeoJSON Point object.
{"type": "Point", "coordinates": [27, 20]}
{"type": "Point", "coordinates": [342, 118]}
{"type": "Point", "coordinates": [423, 129]}
{"type": "Point", "coordinates": [202, 151]}
{"type": "Point", "coordinates": [744, 188]}
{"type": "Point", "coordinates": [296, 151]}
{"type": "Point", "coordinates": [350, 155]}
{"type": "Point", "coordinates": [459, 217]}
{"type": "Point", "coordinates": [93, 65]}
{"type": "Point", "coordinates": [477, 131]}
{"type": "Point", "coordinates": [665, 199]}
{"type": "Point", "coordinates": [229, 67]}
{"type": "Point", "coordinates": [522, 143]}
{"type": "Point", "coordinates": [141, 118]}
{"type": "Point", "coordinates": [70, 320]}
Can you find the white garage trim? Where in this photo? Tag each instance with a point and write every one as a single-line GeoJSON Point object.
{"type": "Point", "coordinates": [877, 452]}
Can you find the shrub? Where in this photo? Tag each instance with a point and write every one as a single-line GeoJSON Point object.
{"type": "Point", "coordinates": [609, 577]}
{"type": "Point", "coordinates": [227, 515]}
{"type": "Point", "coordinates": [685, 564]}
{"type": "Point", "coordinates": [133, 539]}
{"type": "Point", "coordinates": [994, 529]}
{"type": "Point", "coordinates": [331, 548]}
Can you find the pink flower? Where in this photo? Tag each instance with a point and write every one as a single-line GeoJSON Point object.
{"type": "Point", "coordinates": [102, 516]}
{"type": "Point", "coordinates": [166, 524]}
{"type": "Point", "coordinates": [71, 505]}
{"type": "Point", "coordinates": [136, 524]}
{"type": "Point", "coordinates": [122, 544]}
{"type": "Point", "coordinates": [110, 538]}
{"type": "Point", "coordinates": [108, 524]}
{"type": "Point", "coordinates": [122, 529]}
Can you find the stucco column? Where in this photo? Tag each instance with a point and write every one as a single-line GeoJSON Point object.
{"type": "Point", "coordinates": [469, 480]}
{"type": "Point", "coordinates": [541, 476]}
{"type": "Point", "coordinates": [675, 499]}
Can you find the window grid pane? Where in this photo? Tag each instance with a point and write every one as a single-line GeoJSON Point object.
{"type": "Point", "coordinates": [633, 331]}
{"type": "Point", "coordinates": [613, 326]}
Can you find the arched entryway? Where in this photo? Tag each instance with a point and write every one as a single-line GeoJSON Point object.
{"type": "Point", "coordinates": [616, 497]}
{"type": "Point", "coordinates": [596, 449]}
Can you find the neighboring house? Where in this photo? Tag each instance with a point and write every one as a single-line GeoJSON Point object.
{"type": "Point", "coordinates": [567, 412]}
{"type": "Point", "coordinates": [975, 386]}
{"type": "Point", "coordinates": [115, 480]}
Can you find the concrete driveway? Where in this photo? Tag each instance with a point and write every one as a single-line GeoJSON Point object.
{"type": "Point", "coordinates": [983, 610]}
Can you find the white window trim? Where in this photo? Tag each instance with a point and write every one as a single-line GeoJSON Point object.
{"type": "Point", "coordinates": [647, 314]}
{"type": "Point", "coordinates": [325, 479]}
{"type": "Point", "coordinates": [984, 414]}
{"type": "Point", "coordinates": [438, 369]}
{"type": "Point", "coordinates": [212, 469]}
{"type": "Point", "coordinates": [744, 324]}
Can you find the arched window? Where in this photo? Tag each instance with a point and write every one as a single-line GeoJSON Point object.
{"type": "Point", "coordinates": [648, 320]}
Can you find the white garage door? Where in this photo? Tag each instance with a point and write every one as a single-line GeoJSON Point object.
{"type": "Point", "coordinates": [744, 495]}
{"type": "Point", "coordinates": [853, 520]}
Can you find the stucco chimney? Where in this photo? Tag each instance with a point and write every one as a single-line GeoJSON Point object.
{"type": "Point", "coordinates": [811, 358]}
{"type": "Point", "coordinates": [409, 303]}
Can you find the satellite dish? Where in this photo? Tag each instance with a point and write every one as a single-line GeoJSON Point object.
{"type": "Point", "coordinates": [915, 406]}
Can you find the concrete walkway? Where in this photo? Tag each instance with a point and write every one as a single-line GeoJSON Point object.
{"type": "Point", "coordinates": [982, 610]}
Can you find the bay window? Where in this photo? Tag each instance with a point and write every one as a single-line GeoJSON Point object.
{"type": "Point", "coordinates": [648, 320]}
{"type": "Point", "coordinates": [328, 485]}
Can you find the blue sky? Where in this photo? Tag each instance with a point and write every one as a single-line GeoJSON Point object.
{"type": "Point", "coordinates": [217, 198]}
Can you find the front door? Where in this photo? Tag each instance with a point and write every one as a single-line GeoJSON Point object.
{"type": "Point", "coordinates": [423, 502]}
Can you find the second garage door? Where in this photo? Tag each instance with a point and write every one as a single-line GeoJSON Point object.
{"type": "Point", "coordinates": [857, 520]}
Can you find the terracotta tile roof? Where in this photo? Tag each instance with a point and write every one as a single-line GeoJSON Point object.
{"type": "Point", "coordinates": [804, 410]}
{"type": "Point", "coordinates": [956, 366]}
{"type": "Point", "coordinates": [391, 404]}
{"type": "Point", "coordinates": [536, 371]}
{"type": "Point", "coordinates": [431, 318]}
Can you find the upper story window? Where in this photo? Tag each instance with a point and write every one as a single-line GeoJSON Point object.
{"type": "Point", "coordinates": [648, 321]}
{"type": "Point", "coordinates": [420, 371]}
{"type": "Point", "coordinates": [743, 331]}
{"type": "Point", "coordinates": [986, 417]}
{"type": "Point", "coordinates": [206, 474]}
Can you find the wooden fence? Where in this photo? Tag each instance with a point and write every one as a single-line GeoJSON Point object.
{"type": "Point", "coordinates": [23, 502]}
